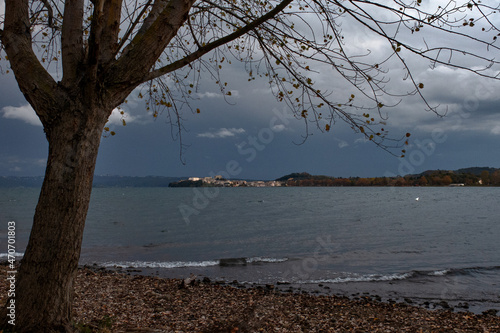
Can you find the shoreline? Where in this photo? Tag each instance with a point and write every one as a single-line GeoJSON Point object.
{"type": "Point", "coordinates": [109, 301]}
{"type": "Point", "coordinates": [378, 290]}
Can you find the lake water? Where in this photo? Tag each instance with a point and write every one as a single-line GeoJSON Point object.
{"type": "Point", "coordinates": [382, 241]}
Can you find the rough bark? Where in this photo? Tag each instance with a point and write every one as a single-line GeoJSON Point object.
{"type": "Point", "coordinates": [72, 46]}
{"type": "Point", "coordinates": [45, 286]}
{"type": "Point", "coordinates": [35, 82]}
{"type": "Point", "coordinates": [74, 112]}
{"type": "Point", "coordinates": [146, 47]}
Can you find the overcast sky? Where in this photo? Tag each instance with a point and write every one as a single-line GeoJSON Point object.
{"type": "Point", "coordinates": [252, 136]}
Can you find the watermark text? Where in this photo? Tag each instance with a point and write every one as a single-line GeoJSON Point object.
{"type": "Point", "coordinates": [11, 272]}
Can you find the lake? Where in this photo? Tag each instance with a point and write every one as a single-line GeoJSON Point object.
{"type": "Point", "coordinates": [339, 240]}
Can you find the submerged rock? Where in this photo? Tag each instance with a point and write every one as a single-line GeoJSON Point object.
{"type": "Point", "coordinates": [233, 262]}
{"type": "Point", "coordinates": [490, 312]}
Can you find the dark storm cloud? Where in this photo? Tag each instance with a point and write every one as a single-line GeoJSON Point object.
{"type": "Point", "coordinates": [260, 134]}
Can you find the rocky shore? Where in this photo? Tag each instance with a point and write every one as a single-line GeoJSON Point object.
{"type": "Point", "coordinates": [108, 301]}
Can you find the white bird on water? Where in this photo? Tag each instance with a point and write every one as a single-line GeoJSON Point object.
{"type": "Point", "coordinates": [417, 198]}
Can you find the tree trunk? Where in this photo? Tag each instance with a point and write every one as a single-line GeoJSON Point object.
{"type": "Point", "coordinates": [44, 290]}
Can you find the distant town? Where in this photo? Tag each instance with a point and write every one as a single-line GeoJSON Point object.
{"type": "Point", "coordinates": [219, 181]}
{"type": "Point", "coordinates": [476, 176]}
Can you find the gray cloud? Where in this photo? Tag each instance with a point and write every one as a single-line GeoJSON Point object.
{"type": "Point", "coordinates": [221, 133]}
{"type": "Point", "coordinates": [24, 113]}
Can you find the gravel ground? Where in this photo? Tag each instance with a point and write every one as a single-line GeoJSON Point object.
{"type": "Point", "coordinates": [108, 301]}
{"type": "Point", "coordinates": [138, 302]}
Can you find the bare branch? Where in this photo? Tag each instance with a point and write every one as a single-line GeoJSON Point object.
{"type": "Point", "coordinates": [112, 13]}
{"type": "Point", "coordinates": [221, 41]}
{"type": "Point", "coordinates": [38, 87]}
{"type": "Point", "coordinates": [146, 47]}
{"type": "Point", "coordinates": [72, 40]}
{"type": "Point", "coordinates": [132, 27]}
{"type": "Point", "coordinates": [288, 43]}
{"type": "Point", "coordinates": [50, 14]}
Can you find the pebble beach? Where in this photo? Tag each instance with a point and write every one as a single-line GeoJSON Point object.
{"type": "Point", "coordinates": [109, 301]}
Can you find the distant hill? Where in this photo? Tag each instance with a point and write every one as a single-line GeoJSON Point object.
{"type": "Point", "coordinates": [295, 175]}
{"type": "Point", "coordinates": [461, 177]}
{"type": "Point", "coordinates": [301, 176]}
{"type": "Point", "coordinates": [99, 181]}
{"type": "Point", "coordinates": [476, 170]}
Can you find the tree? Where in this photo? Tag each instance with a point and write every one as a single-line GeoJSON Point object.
{"type": "Point", "coordinates": [363, 182]}
{"type": "Point", "coordinates": [485, 177]}
{"type": "Point", "coordinates": [446, 180]}
{"type": "Point", "coordinates": [495, 178]}
{"type": "Point", "coordinates": [105, 49]}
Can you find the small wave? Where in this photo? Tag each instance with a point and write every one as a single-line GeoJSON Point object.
{"type": "Point", "coordinates": [480, 268]}
{"type": "Point", "coordinates": [440, 273]}
{"type": "Point", "coordinates": [418, 274]}
{"type": "Point", "coordinates": [182, 264]}
{"type": "Point", "coordinates": [164, 264]}
{"type": "Point", "coordinates": [459, 271]}
{"type": "Point", "coordinates": [352, 277]}
{"type": "Point", "coordinates": [363, 278]}
{"type": "Point", "coordinates": [245, 261]}
{"type": "Point", "coordinates": [267, 260]}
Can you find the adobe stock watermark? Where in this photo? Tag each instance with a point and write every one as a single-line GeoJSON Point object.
{"type": "Point", "coordinates": [324, 250]}
{"type": "Point", "coordinates": [427, 147]}
{"type": "Point", "coordinates": [11, 273]}
{"type": "Point", "coordinates": [417, 157]}
{"type": "Point", "coordinates": [247, 149]}
{"type": "Point", "coordinates": [453, 290]}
